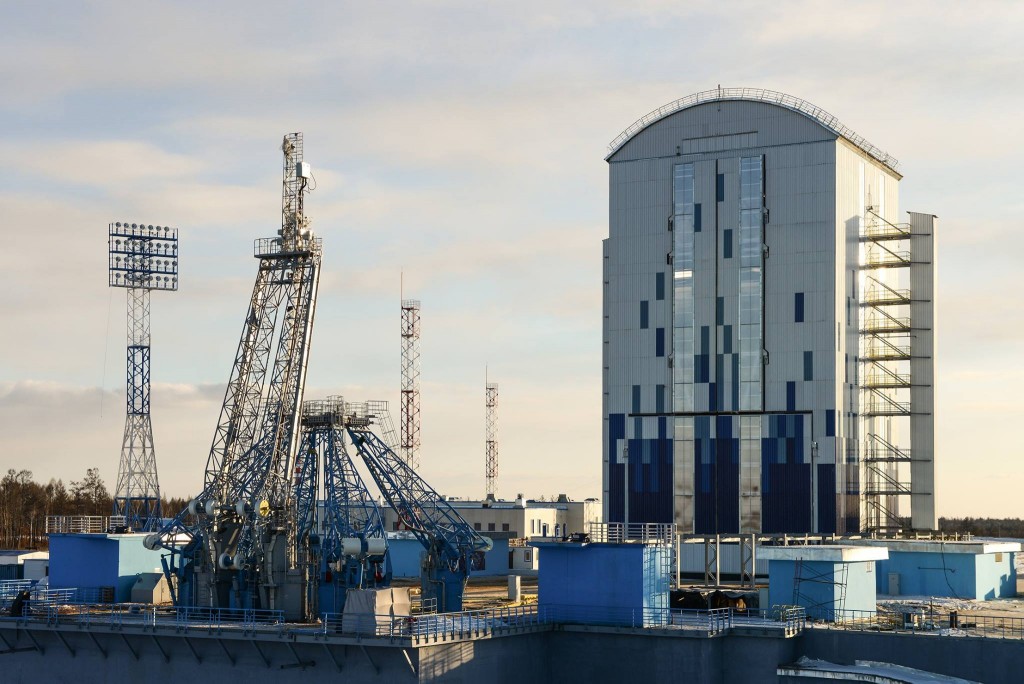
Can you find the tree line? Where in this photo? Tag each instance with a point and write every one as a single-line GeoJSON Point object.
{"type": "Point", "coordinates": [25, 504]}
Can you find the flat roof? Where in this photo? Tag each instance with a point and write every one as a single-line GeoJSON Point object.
{"type": "Point", "coordinates": [932, 546]}
{"type": "Point", "coordinates": [825, 552]}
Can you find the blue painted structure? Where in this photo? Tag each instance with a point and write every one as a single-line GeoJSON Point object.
{"type": "Point", "coordinates": [92, 561]}
{"type": "Point", "coordinates": [966, 570]}
{"type": "Point", "coordinates": [831, 578]}
{"type": "Point", "coordinates": [603, 583]}
{"type": "Point", "coordinates": [406, 552]}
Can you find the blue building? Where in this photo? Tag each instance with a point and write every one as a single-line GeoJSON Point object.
{"type": "Point", "coordinates": [829, 581]}
{"type": "Point", "coordinates": [604, 583]}
{"type": "Point", "coordinates": [95, 562]}
{"type": "Point", "coordinates": [957, 569]}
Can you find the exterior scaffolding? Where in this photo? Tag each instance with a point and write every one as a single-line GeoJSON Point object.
{"type": "Point", "coordinates": [410, 420]}
{"type": "Point", "coordinates": [142, 258]}
{"type": "Point", "coordinates": [896, 374]}
{"type": "Point", "coordinates": [491, 464]}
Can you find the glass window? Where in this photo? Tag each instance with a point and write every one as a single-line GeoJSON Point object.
{"type": "Point", "coordinates": [808, 365]}
{"type": "Point", "coordinates": [636, 398]}
{"type": "Point", "coordinates": [643, 315]}
{"type": "Point", "coordinates": [720, 187]}
{"type": "Point", "coordinates": [504, 527]}
{"type": "Point", "coordinates": [659, 286]}
{"type": "Point", "coordinates": [659, 342]}
{"type": "Point", "coordinates": [798, 307]}
{"type": "Point", "coordinates": [686, 220]}
{"type": "Point", "coordinates": [490, 527]}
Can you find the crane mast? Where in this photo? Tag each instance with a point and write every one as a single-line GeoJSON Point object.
{"type": "Point", "coordinates": [242, 538]}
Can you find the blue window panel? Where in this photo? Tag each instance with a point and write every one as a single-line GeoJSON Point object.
{"type": "Point", "coordinates": [827, 498]}
{"type": "Point", "coordinates": [659, 342]}
{"type": "Point", "coordinates": [735, 382]}
{"type": "Point", "coordinates": [791, 396]}
{"type": "Point", "coordinates": [830, 423]}
{"type": "Point", "coordinates": [727, 243]}
{"type": "Point", "coordinates": [808, 365]}
{"type": "Point", "coordinates": [643, 314]}
{"type": "Point", "coordinates": [785, 493]}
{"type": "Point", "coordinates": [727, 339]}
{"type": "Point", "coordinates": [616, 470]}
{"type": "Point", "coordinates": [696, 218]}
{"type": "Point", "coordinates": [798, 307]}
{"type": "Point", "coordinates": [720, 187]}
{"type": "Point", "coordinates": [712, 395]}
{"type": "Point", "coordinates": [636, 399]}
{"type": "Point", "coordinates": [720, 378]}
{"type": "Point", "coordinates": [720, 311]}
{"type": "Point", "coordinates": [659, 286]}
{"type": "Point", "coordinates": [659, 401]}
{"type": "Point", "coordinates": [705, 339]}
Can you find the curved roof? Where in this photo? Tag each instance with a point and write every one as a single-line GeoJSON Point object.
{"type": "Point", "coordinates": [804, 107]}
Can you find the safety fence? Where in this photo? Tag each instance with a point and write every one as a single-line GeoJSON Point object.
{"type": "Point", "coordinates": [921, 620]}
{"type": "Point", "coordinates": [84, 524]}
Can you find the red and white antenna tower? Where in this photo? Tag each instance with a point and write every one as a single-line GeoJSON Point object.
{"type": "Point", "coordinates": [410, 420]}
{"type": "Point", "coordinates": [491, 467]}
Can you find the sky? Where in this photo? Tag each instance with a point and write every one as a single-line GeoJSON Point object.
{"type": "Point", "coordinates": [458, 150]}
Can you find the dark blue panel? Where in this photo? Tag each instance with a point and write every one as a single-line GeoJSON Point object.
{"type": "Point", "coordinates": [808, 365]}
{"type": "Point", "coordinates": [705, 340]}
{"type": "Point", "coordinates": [712, 394]}
{"type": "Point", "coordinates": [716, 473]}
{"type": "Point", "coordinates": [636, 398]}
{"type": "Point", "coordinates": [643, 314]}
{"type": "Point", "coordinates": [735, 381]}
{"type": "Point", "coordinates": [846, 369]}
{"type": "Point", "coordinates": [638, 428]}
{"type": "Point", "coordinates": [830, 423]}
{"type": "Point", "coordinates": [719, 377]}
{"type": "Point", "coordinates": [727, 243]}
{"type": "Point", "coordinates": [727, 339]}
{"type": "Point", "coordinates": [662, 426]}
{"type": "Point", "coordinates": [785, 496]}
{"type": "Point", "coordinates": [659, 398]}
{"type": "Point", "coordinates": [827, 497]}
{"type": "Point", "coordinates": [791, 396]}
{"type": "Point", "coordinates": [659, 342]}
{"type": "Point", "coordinates": [659, 286]}
{"type": "Point", "coordinates": [616, 431]}
{"type": "Point", "coordinates": [720, 311]}
{"type": "Point", "coordinates": [696, 218]}
{"type": "Point", "coordinates": [798, 307]}
{"type": "Point", "coordinates": [720, 187]}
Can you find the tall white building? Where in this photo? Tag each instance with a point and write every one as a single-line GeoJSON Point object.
{"type": "Point", "coordinates": [768, 324]}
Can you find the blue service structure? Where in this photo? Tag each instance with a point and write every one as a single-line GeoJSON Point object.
{"type": "Point", "coordinates": [831, 582]}
{"type": "Point", "coordinates": [93, 563]}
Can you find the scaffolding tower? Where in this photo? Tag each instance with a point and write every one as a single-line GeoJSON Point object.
{"type": "Point", "coordinates": [142, 258]}
{"type": "Point", "coordinates": [491, 449]}
{"type": "Point", "coordinates": [410, 419]}
{"type": "Point", "coordinates": [896, 371]}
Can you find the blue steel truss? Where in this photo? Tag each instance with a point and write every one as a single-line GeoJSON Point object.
{"type": "Point", "coordinates": [450, 542]}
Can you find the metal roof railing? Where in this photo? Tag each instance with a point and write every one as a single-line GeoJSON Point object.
{"type": "Point", "coordinates": [755, 95]}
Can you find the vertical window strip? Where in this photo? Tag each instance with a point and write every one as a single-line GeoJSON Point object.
{"type": "Point", "coordinates": [682, 288]}
{"type": "Point", "coordinates": [751, 240]}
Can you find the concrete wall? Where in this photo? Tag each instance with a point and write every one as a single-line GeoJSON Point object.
{"type": "Point", "coordinates": [995, 575]}
{"type": "Point", "coordinates": [569, 654]}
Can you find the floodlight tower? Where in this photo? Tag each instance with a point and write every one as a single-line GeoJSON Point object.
{"type": "Point", "coordinates": [491, 467]}
{"type": "Point", "coordinates": [143, 258]}
{"type": "Point", "coordinates": [411, 383]}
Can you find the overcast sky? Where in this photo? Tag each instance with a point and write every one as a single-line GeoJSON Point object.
{"type": "Point", "coordinates": [461, 143]}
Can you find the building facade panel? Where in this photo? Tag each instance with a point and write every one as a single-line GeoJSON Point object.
{"type": "Point", "coordinates": [734, 286]}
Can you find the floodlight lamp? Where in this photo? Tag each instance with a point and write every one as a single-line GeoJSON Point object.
{"type": "Point", "coordinates": [118, 224]}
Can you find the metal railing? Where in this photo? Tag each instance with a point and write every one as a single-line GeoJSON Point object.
{"type": "Point", "coordinates": [83, 524]}
{"type": "Point", "coordinates": [429, 628]}
{"type": "Point", "coordinates": [617, 533]}
{"type": "Point", "coordinates": [925, 621]}
{"type": "Point", "coordinates": [758, 95]}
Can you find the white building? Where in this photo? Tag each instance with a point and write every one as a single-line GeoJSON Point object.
{"type": "Point", "coordinates": [768, 324]}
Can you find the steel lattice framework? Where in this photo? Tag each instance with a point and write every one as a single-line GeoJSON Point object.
{"type": "Point", "coordinates": [245, 518]}
{"type": "Point", "coordinates": [491, 467]}
{"type": "Point", "coordinates": [142, 258]}
{"type": "Point", "coordinates": [410, 419]}
{"type": "Point", "coordinates": [450, 542]}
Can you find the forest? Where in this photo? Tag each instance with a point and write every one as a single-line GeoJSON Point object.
{"type": "Point", "coordinates": [25, 503]}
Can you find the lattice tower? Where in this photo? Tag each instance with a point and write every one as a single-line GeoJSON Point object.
{"type": "Point", "coordinates": [410, 418]}
{"type": "Point", "coordinates": [142, 258]}
{"type": "Point", "coordinates": [491, 466]}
